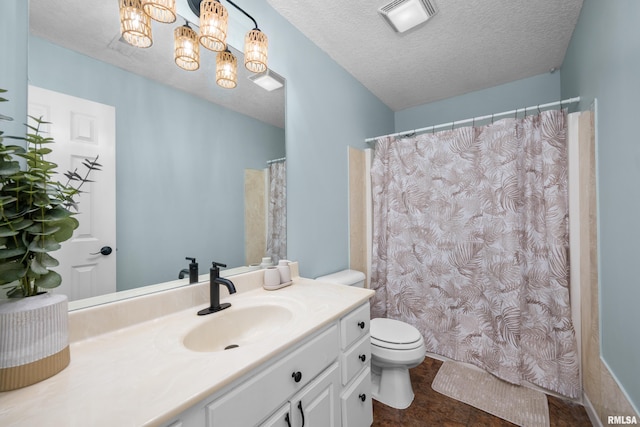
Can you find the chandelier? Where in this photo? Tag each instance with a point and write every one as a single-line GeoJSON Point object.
{"type": "Point", "coordinates": [135, 26]}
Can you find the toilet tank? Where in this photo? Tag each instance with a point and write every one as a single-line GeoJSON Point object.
{"type": "Point", "coordinates": [345, 277]}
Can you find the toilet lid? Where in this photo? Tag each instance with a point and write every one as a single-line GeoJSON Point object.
{"type": "Point", "coordinates": [394, 334]}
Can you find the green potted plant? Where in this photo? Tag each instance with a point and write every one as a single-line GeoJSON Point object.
{"type": "Point", "coordinates": [36, 215]}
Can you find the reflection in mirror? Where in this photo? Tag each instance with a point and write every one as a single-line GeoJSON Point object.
{"type": "Point", "coordinates": [184, 146]}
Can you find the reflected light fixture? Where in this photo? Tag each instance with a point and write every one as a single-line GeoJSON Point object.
{"type": "Point", "coordinates": [160, 10]}
{"type": "Point", "coordinates": [214, 20]}
{"type": "Point", "coordinates": [404, 15]}
{"type": "Point", "coordinates": [186, 48]}
{"type": "Point", "coordinates": [135, 24]}
{"type": "Point", "coordinates": [226, 70]}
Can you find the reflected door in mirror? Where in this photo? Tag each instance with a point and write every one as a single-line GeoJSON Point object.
{"type": "Point", "coordinates": [81, 130]}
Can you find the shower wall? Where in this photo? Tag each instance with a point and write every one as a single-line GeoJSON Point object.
{"type": "Point", "coordinates": [255, 215]}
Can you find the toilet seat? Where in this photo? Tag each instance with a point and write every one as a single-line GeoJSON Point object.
{"type": "Point", "coordinates": [394, 335]}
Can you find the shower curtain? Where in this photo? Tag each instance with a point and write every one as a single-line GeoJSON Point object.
{"type": "Point", "coordinates": [277, 211]}
{"type": "Point", "coordinates": [471, 246]}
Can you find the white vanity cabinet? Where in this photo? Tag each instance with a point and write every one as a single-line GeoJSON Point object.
{"type": "Point", "coordinates": [325, 380]}
{"type": "Point", "coordinates": [253, 400]}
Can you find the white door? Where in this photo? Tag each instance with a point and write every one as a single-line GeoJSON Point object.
{"type": "Point", "coordinates": [81, 130]}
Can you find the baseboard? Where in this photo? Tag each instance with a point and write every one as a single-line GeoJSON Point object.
{"type": "Point", "coordinates": [591, 412]}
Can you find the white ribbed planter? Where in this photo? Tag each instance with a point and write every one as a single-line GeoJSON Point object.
{"type": "Point", "coordinates": [34, 339]}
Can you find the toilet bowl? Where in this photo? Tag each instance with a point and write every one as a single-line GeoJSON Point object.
{"type": "Point", "coordinates": [396, 347]}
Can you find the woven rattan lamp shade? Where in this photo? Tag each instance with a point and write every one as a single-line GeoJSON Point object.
{"type": "Point", "coordinates": [135, 25]}
{"type": "Point", "coordinates": [187, 49]}
{"type": "Point", "coordinates": [214, 20]}
{"type": "Point", "coordinates": [226, 70]}
{"type": "Point", "coordinates": [256, 47]}
{"type": "Point", "coordinates": [160, 10]}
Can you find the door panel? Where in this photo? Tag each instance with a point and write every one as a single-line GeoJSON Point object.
{"type": "Point", "coordinates": [83, 129]}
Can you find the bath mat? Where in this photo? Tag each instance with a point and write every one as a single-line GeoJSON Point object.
{"type": "Point", "coordinates": [519, 405]}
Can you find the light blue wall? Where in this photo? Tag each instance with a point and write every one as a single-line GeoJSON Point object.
{"type": "Point", "coordinates": [519, 94]}
{"type": "Point", "coordinates": [603, 62]}
{"type": "Point", "coordinates": [180, 165]}
{"type": "Point", "coordinates": [13, 64]}
{"type": "Point", "coordinates": [327, 110]}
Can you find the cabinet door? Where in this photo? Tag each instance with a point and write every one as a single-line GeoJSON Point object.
{"type": "Point", "coordinates": [318, 404]}
{"type": "Point", "coordinates": [281, 418]}
{"type": "Point", "coordinates": [357, 408]}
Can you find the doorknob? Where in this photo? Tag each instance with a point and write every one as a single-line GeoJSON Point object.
{"type": "Point", "coordinates": [105, 250]}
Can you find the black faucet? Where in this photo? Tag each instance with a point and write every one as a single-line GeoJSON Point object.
{"type": "Point", "coordinates": [193, 271]}
{"type": "Point", "coordinates": [214, 289]}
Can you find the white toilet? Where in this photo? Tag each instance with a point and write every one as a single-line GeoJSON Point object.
{"type": "Point", "coordinates": [395, 348]}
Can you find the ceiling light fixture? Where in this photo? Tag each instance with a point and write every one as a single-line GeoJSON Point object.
{"type": "Point", "coordinates": [160, 10]}
{"type": "Point", "coordinates": [404, 15]}
{"type": "Point", "coordinates": [135, 24]}
{"type": "Point", "coordinates": [186, 48]}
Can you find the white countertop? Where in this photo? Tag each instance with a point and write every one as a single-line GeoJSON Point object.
{"type": "Point", "coordinates": [142, 375]}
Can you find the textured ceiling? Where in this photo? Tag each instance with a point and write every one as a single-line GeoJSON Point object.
{"type": "Point", "coordinates": [93, 28]}
{"type": "Point", "coordinates": [468, 45]}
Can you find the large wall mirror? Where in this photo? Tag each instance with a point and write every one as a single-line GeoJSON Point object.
{"type": "Point", "coordinates": [184, 146]}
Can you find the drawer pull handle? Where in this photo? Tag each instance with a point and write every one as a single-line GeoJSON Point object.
{"type": "Point", "coordinates": [286, 418]}
{"type": "Point", "coordinates": [301, 412]}
{"type": "Point", "coordinates": [297, 376]}
{"type": "Point", "coordinates": [361, 325]}
{"type": "Point", "coordinates": [362, 357]}
{"type": "Point", "coordinates": [363, 397]}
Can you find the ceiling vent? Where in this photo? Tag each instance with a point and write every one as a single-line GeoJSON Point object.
{"type": "Point", "coordinates": [404, 15]}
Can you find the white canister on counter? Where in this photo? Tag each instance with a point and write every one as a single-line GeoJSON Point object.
{"type": "Point", "coordinates": [285, 271]}
{"type": "Point", "coordinates": [271, 278]}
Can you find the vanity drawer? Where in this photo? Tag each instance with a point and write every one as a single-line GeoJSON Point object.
{"type": "Point", "coordinates": [356, 358]}
{"type": "Point", "coordinates": [251, 401]}
{"type": "Point", "coordinates": [354, 325]}
{"type": "Point", "coordinates": [356, 404]}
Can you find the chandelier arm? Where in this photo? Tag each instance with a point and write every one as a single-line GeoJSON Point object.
{"type": "Point", "coordinates": [243, 11]}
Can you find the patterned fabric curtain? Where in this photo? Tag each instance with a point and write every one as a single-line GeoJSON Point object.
{"type": "Point", "coordinates": [471, 246]}
{"type": "Point", "coordinates": [277, 212]}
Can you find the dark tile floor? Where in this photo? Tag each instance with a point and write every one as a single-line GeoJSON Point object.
{"type": "Point", "coordinates": [431, 408]}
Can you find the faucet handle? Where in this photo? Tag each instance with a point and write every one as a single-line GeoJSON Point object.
{"type": "Point", "coordinates": [193, 260]}
{"type": "Point", "coordinates": [217, 264]}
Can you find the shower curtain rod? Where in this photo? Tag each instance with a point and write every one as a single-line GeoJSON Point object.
{"type": "Point", "coordinates": [276, 160]}
{"type": "Point", "coordinates": [480, 118]}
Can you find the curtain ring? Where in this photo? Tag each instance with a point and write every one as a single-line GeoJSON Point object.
{"type": "Point", "coordinates": [433, 130]}
{"type": "Point", "coordinates": [473, 123]}
{"type": "Point", "coordinates": [491, 118]}
{"type": "Point", "coordinates": [539, 112]}
{"type": "Point", "coordinates": [525, 112]}
{"type": "Point", "coordinates": [453, 124]}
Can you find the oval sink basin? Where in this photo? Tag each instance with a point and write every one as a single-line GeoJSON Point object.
{"type": "Point", "coordinates": [237, 327]}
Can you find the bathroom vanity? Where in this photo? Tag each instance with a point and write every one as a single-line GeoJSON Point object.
{"type": "Point", "coordinates": [299, 352]}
